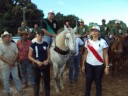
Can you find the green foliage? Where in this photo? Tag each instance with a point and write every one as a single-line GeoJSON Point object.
{"type": "Point", "coordinates": [61, 19]}
{"type": "Point", "coordinates": [90, 25]}
{"type": "Point", "coordinates": [111, 24]}
{"type": "Point", "coordinates": [11, 14]}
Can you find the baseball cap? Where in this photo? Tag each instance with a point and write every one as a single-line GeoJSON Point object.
{"type": "Point", "coordinates": [117, 21]}
{"type": "Point", "coordinates": [96, 27]}
{"type": "Point", "coordinates": [51, 11]}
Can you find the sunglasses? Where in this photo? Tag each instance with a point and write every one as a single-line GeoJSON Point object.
{"type": "Point", "coordinates": [95, 30]}
{"type": "Point", "coordinates": [51, 13]}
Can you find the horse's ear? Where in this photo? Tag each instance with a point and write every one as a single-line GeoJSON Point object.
{"type": "Point", "coordinates": [75, 29]}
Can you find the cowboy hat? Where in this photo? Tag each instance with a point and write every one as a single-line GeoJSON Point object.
{"type": "Point", "coordinates": [23, 32]}
{"type": "Point", "coordinates": [6, 33]}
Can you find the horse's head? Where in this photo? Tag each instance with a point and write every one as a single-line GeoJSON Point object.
{"type": "Point", "coordinates": [70, 39]}
{"type": "Point", "coordinates": [118, 45]}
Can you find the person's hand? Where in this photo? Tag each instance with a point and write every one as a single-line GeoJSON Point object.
{"type": "Point", "coordinates": [45, 62]}
{"type": "Point", "coordinates": [106, 70]}
{"type": "Point", "coordinates": [83, 69]}
{"type": "Point", "coordinates": [78, 35]}
{"type": "Point", "coordinates": [39, 63]}
{"type": "Point", "coordinates": [54, 35]}
{"type": "Point", "coordinates": [12, 63]}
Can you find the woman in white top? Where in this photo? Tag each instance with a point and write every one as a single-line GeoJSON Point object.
{"type": "Point", "coordinates": [95, 57]}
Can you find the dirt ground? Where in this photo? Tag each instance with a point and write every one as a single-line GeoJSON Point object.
{"type": "Point", "coordinates": [112, 86]}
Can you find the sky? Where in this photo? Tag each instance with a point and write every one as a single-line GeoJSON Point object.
{"type": "Point", "coordinates": [88, 10]}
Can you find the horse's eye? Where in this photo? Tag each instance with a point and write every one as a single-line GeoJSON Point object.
{"type": "Point", "coordinates": [67, 38]}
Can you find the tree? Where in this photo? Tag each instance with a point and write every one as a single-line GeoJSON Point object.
{"type": "Point", "coordinates": [62, 19]}
{"type": "Point", "coordinates": [111, 24]}
{"type": "Point", "coordinates": [11, 14]}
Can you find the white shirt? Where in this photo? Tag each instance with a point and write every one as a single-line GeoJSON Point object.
{"type": "Point", "coordinates": [35, 40]}
{"type": "Point", "coordinates": [98, 45]}
{"type": "Point", "coordinates": [78, 43]}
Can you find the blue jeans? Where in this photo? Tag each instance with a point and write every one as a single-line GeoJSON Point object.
{"type": "Point", "coordinates": [94, 73]}
{"type": "Point", "coordinates": [6, 74]}
{"type": "Point", "coordinates": [74, 64]}
{"type": "Point", "coordinates": [48, 39]}
{"type": "Point", "coordinates": [26, 66]}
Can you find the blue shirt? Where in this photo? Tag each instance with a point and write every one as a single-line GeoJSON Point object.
{"type": "Point", "coordinates": [78, 42]}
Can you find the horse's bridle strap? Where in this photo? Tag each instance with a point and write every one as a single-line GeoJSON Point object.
{"type": "Point", "coordinates": [62, 52]}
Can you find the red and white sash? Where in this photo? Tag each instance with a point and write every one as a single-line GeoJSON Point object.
{"type": "Point", "coordinates": [95, 53]}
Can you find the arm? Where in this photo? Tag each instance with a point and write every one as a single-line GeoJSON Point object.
{"type": "Point", "coordinates": [83, 61]}
{"type": "Point", "coordinates": [105, 54]}
{"type": "Point", "coordinates": [47, 33]}
{"type": "Point", "coordinates": [30, 56]}
{"type": "Point", "coordinates": [47, 61]}
{"type": "Point", "coordinates": [5, 60]}
{"type": "Point", "coordinates": [15, 58]}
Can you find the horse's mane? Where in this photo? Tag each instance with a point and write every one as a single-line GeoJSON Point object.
{"type": "Point", "coordinates": [60, 39]}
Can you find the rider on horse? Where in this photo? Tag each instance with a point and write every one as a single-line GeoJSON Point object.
{"type": "Point", "coordinates": [117, 29]}
{"type": "Point", "coordinates": [104, 31]}
{"type": "Point", "coordinates": [82, 30]}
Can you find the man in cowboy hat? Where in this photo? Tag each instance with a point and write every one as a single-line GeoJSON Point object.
{"type": "Point", "coordinates": [8, 57]}
{"type": "Point", "coordinates": [23, 46]}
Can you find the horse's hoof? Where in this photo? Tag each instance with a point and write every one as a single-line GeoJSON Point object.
{"type": "Point", "coordinates": [57, 91]}
{"type": "Point", "coordinates": [62, 88]}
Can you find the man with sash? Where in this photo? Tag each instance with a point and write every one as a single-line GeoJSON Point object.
{"type": "Point", "coordinates": [49, 27]}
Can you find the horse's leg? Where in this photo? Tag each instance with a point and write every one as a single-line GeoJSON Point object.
{"type": "Point", "coordinates": [55, 70]}
{"type": "Point", "coordinates": [61, 76]}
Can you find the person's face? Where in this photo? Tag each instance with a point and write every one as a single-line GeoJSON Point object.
{"type": "Point", "coordinates": [39, 37]}
{"type": "Point", "coordinates": [95, 32]}
{"type": "Point", "coordinates": [7, 39]}
{"type": "Point", "coordinates": [103, 22]}
{"type": "Point", "coordinates": [51, 15]}
{"type": "Point", "coordinates": [23, 24]}
{"type": "Point", "coordinates": [35, 26]}
{"type": "Point", "coordinates": [81, 23]}
{"type": "Point", "coordinates": [117, 24]}
{"type": "Point", "coordinates": [24, 36]}
{"type": "Point", "coordinates": [68, 24]}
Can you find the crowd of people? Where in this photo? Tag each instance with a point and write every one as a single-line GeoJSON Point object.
{"type": "Point", "coordinates": [32, 55]}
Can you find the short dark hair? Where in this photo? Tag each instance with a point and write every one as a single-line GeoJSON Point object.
{"type": "Point", "coordinates": [40, 32]}
{"type": "Point", "coordinates": [103, 20]}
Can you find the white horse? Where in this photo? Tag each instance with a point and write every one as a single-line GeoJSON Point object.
{"type": "Point", "coordinates": [63, 44]}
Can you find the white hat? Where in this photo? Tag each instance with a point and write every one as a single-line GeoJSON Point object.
{"type": "Point", "coordinates": [6, 33]}
{"type": "Point", "coordinates": [117, 21]}
{"type": "Point", "coordinates": [51, 11]}
{"type": "Point", "coordinates": [96, 27]}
